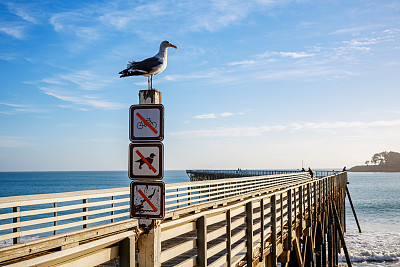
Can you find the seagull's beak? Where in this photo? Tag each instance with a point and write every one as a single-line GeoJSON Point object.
{"type": "Point", "coordinates": [174, 46]}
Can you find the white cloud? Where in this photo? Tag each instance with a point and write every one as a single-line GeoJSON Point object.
{"type": "Point", "coordinates": [13, 108]}
{"type": "Point", "coordinates": [206, 116]}
{"type": "Point", "coordinates": [73, 107]}
{"type": "Point", "coordinates": [123, 16]}
{"type": "Point", "coordinates": [17, 27]}
{"type": "Point", "coordinates": [7, 56]}
{"type": "Point", "coordinates": [285, 54]}
{"type": "Point", "coordinates": [296, 54]}
{"type": "Point", "coordinates": [12, 142]}
{"type": "Point", "coordinates": [80, 89]}
{"type": "Point", "coordinates": [219, 14]}
{"type": "Point", "coordinates": [80, 23]}
{"type": "Point", "coordinates": [226, 114]}
{"type": "Point", "coordinates": [292, 127]}
{"type": "Point", "coordinates": [214, 116]}
{"type": "Point", "coordinates": [329, 61]}
{"type": "Point", "coordinates": [11, 105]}
{"type": "Point", "coordinates": [14, 30]}
{"type": "Point", "coordinates": [353, 30]}
{"type": "Point", "coordinates": [243, 62]}
{"type": "Point", "coordinates": [96, 20]}
{"type": "Point", "coordinates": [327, 73]}
{"type": "Point", "coordinates": [86, 80]}
{"type": "Point", "coordinates": [366, 43]}
{"type": "Point", "coordinates": [79, 99]}
{"type": "Point", "coordinates": [23, 11]}
{"type": "Point", "coordinates": [190, 76]}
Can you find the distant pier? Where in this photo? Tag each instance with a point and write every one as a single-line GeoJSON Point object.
{"type": "Point", "coordinates": [202, 175]}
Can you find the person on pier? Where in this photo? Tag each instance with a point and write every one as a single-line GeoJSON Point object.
{"type": "Point", "coordinates": [311, 173]}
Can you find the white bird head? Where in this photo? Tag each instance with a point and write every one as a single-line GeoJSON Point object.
{"type": "Point", "coordinates": [167, 44]}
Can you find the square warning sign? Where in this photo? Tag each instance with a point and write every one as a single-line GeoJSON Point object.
{"type": "Point", "coordinates": [146, 161]}
{"type": "Point", "coordinates": [147, 199]}
{"type": "Point", "coordinates": [146, 123]}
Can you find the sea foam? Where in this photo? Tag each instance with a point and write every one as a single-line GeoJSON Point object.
{"type": "Point", "coordinates": [372, 247]}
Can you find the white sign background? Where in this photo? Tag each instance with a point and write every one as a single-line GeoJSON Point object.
{"type": "Point", "coordinates": [153, 193]}
{"type": "Point", "coordinates": [142, 169]}
{"type": "Point", "coordinates": [140, 129]}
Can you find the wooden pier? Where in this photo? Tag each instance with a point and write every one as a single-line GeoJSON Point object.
{"type": "Point", "coordinates": [286, 218]}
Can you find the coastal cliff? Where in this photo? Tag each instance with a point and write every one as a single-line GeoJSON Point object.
{"type": "Point", "coordinates": [381, 162]}
{"type": "Point", "coordinates": [375, 168]}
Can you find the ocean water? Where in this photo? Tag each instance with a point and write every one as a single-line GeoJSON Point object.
{"type": "Point", "coordinates": [31, 183]}
{"type": "Point", "coordinates": [376, 197]}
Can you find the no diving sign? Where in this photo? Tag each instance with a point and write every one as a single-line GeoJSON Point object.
{"type": "Point", "coordinates": [147, 200]}
{"type": "Point", "coordinates": [146, 123]}
{"type": "Point", "coordinates": [146, 160]}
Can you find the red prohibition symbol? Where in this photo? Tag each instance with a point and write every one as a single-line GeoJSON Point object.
{"type": "Point", "coordinates": [147, 200]}
{"type": "Point", "coordinates": [147, 123]}
{"type": "Point", "coordinates": [146, 161]}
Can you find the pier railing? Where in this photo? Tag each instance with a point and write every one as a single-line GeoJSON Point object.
{"type": "Point", "coordinates": [249, 227]}
{"type": "Point", "coordinates": [201, 175]}
{"type": "Point", "coordinates": [25, 217]}
{"type": "Point", "coordinates": [183, 195]}
{"type": "Point", "coordinates": [50, 214]}
{"type": "Point", "coordinates": [207, 222]}
{"type": "Point", "coordinates": [219, 174]}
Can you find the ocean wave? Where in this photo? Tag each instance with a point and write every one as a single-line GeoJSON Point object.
{"type": "Point", "coordinates": [372, 247]}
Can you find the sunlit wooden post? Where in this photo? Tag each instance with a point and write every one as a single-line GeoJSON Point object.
{"type": "Point", "coordinates": [149, 244]}
{"type": "Point", "coordinates": [249, 233]}
{"type": "Point", "coordinates": [290, 220]}
{"type": "Point", "coordinates": [228, 237]}
{"type": "Point", "coordinates": [273, 231]}
{"type": "Point", "coordinates": [127, 252]}
{"type": "Point", "coordinates": [201, 226]}
{"type": "Point", "coordinates": [262, 233]}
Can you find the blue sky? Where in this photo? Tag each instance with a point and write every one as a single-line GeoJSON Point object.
{"type": "Point", "coordinates": [253, 84]}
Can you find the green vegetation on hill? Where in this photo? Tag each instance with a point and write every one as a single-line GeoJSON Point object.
{"type": "Point", "coordinates": [380, 162]}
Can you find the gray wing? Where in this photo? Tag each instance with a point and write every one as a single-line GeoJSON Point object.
{"type": "Point", "coordinates": [141, 68]}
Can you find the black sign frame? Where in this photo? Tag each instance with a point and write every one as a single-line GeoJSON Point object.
{"type": "Point", "coordinates": [135, 210]}
{"type": "Point", "coordinates": [135, 176]}
{"type": "Point", "coordinates": [133, 126]}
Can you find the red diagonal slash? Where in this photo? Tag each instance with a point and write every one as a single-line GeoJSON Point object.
{"type": "Point", "coordinates": [146, 161]}
{"type": "Point", "coordinates": [147, 123]}
{"type": "Point", "coordinates": [147, 200]}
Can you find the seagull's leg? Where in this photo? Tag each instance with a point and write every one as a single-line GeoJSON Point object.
{"type": "Point", "coordinates": [151, 82]}
{"type": "Point", "coordinates": [151, 79]}
{"type": "Point", "coordinates": [148, 83]}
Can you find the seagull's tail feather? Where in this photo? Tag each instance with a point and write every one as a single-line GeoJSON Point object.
{"type": "Point", "coordinates": [123, 73]}
{"type": "Point", "coordinates": [131, 72]}
{"type": "Point", "coordinates": [130, 64]}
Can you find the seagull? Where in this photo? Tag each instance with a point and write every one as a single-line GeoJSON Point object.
{"type": "Point", "coordinates": [150, 66]}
